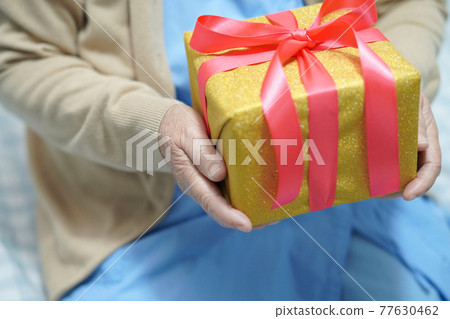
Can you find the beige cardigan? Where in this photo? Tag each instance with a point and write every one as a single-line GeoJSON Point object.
{"type": "Point", "coordinates": [82, 97]}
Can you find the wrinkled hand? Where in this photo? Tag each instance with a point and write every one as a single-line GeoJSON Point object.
{"type": "Point", "coordinates": [429, 161]}
{"type": "Point", "coordinates": [198, 181]}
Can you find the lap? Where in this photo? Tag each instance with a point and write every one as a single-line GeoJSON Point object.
{"type": "Point", "coordinates": [383, 275]}
{"type": "Point", "coordinates": [189, 257]}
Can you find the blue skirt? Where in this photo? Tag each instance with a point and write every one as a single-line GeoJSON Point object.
{"type": "Point", "coordinates": [375, 249]}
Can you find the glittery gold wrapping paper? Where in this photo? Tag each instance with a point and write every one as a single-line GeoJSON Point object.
{"type": "Point", "coordinates": [234, 105]}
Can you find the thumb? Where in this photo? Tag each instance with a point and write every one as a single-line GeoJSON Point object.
{"type": "Point", "coordinates": [423, 136]}
{"type": "Point", "coordinates": [200, 149]}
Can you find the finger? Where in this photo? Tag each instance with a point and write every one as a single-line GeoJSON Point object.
{"type": "Point", "coordinates": [203, 154]}
{"type": "Point", "coordinates": [422, 136]}
{"type": "Point", "coordinates": [184, 125]}
{"type": "Point", "coordinates": [423, 182]}
{"type": "Point", "coordinates": [262, 226]}
{"type": "Point", "coordinates": [391, 196]}
{"type": "Point", "coordinates": [207, 194]}
{"type": "Point", "coordinates": [429, 163]}
{"type": "Point", "coordinates": [210, 198]}
{"type": "Point", "coordinates": [200, 149]}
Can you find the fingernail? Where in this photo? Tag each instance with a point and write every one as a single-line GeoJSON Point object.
{"type": "Point", "coordinates": [243, 225]}
{"type": "Point", "coordinates": [214, 169]}
{"type": "Point", "coordinates": [243, 228]}
{"type": "Point", "coordinates": [423, 145]}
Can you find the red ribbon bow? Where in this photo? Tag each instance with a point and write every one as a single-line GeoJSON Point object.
{"type": "Point", "coordinates": [282, 40]}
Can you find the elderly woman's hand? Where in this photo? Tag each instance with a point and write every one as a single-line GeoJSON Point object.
{"type": "Point", "coordinates": [429, 162]}
{"type": "Point", "coordinates": [198, 181]}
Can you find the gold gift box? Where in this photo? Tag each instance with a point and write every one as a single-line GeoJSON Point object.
{"type": "Point", "coordinates": [234, 106]}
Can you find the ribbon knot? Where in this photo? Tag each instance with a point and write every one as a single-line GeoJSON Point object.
{"type": "Point", "coordinates": [299, 34]}
{"type": "Point", "coordinates": [303, 36]}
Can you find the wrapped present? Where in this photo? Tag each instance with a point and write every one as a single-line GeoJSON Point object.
{"type": "Point", "coordinates": [311, 107]}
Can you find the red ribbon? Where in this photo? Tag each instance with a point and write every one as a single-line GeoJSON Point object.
{"type": "Point", "coordinates": [280, 41]}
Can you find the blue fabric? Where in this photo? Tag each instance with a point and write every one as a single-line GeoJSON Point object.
{"type": "Point", "coordinates": [190, 257]}
{"type": "Point", "coordinates": [374, 267]}
{"type": "Point", "coordinates": [400, 250]}
{"type": "Point", "coordinates": [20, 274]}
{"type": "Point", "coordinates": [396, 250]}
